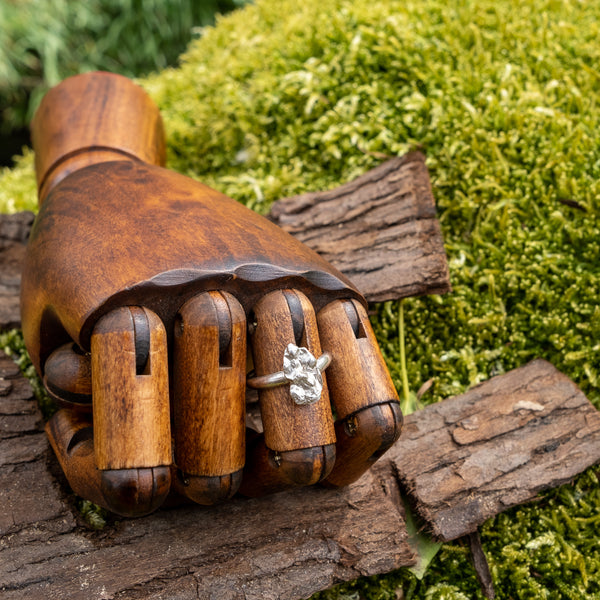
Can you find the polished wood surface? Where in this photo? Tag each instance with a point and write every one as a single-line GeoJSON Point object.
{"type": "Point", "coordinates": [140, 285]}
{"type": "Point", "coordinates": [358, 375]}
{"type": "Point", "coordinates": [281, 318]}
{"type": "Point", "coordinates": [208, 401]}
{"type": "Point", "coordinates": [363, 394]}
{"type": "Point", "coordinates": [131, 401]}
{"type": "Point", "coordinates": [143, 235]}
{"type": "Point", "coordinates": [94, 118]}
{"type": "Point", "coordinates": [68, 377]}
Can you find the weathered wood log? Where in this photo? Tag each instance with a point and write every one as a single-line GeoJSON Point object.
{"type": "Point", "coordinates": [380, 230]}
{"type": "Point", "coordinates": [468, 458]}
{"type": "Point", "coordinates": [292, 544]}
{"type": "Point", "coordinates": [288, 545]}
{"type": "Point", "coordinates": [14, 231]}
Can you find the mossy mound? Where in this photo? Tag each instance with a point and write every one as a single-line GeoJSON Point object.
{"type": "Point", "coordinates": [284, 97]}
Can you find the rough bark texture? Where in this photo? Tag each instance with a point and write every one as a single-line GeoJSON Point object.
{"type": "Point", "coordinates": [287, 545]}
{"type": "Point", "coordinates": [292, 544]}
{"type": "Point", "coordinates": [380, 230]}
{"type": "Point", "coordinates": [470, 457]}
{"type": "Point", "coordinates": [14, 230]}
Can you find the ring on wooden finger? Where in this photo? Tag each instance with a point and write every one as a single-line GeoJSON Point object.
{"type": "Point", "coordinates": [301, 371]}
{"type": "Point", "coordinates": [362, 392]}
{"type": "Point", "coordinates": [298, 444]}
{"type": "Point", "coordinates": [209, 361]}
{"type": "Point", "coordinates": [132, 433]}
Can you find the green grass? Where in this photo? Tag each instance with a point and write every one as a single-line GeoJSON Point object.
{"type": "Point", "coordinates": [502, 96]}
{"type": "Point", "coordinates": [44, 41]}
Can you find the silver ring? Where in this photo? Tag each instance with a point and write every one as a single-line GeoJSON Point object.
{"type": "Point", "coordinates": [301, 370]}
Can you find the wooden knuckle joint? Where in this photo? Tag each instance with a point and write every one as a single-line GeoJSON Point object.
{"type": "Point", "coordinates": [207, 490]}
{"type": "Point", "coordinates": [268, 471]}
{"type": "Point", "coordinates": [68, 378]}
{"type": "Point", "coordinates": [363, 437]}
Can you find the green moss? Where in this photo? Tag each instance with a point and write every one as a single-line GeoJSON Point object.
{"type": "Point", "coordinates": [17, 185]}
{"type": "Point", "coordinates": [285, 97]}
{"type": "Point", "coordinates": [11, 343]}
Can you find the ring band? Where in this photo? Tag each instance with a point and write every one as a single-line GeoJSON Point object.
{"type": "Point", "coordinates": [301, 370]}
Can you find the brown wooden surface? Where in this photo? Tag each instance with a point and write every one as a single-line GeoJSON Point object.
{"type": "Point", "coordinates": [380, 230]}
{"type": "Point", "coordinates": [471, 457]}
{"type": "Point", "coordinates": [209, 385]}
{"type": "Point", "coordinates": [89, 120]}
{"type": "Point", "coordinates": [286, 425]}
{"type": "Point", "coordinates": [180, 238]}
{"type": "Point", "coordinates": [287, 546]}
{"type": "Point", "coordinates": [132, 426]}
{"type": "Point", "coordinates": [362, 391]}
{"type": "Point", "coordinates": [291, 544]}
{"type": "Point", "coordinates": [176, 236]}
{"type": "Point", "coordinates": [416, 277]}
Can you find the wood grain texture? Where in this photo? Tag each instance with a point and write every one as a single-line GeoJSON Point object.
{"type": "Point", "coordinates": [362, 392]}
{"type": "Point", "coordinates": [288, 426]}
{"type": "Point", "coordinates": [428, 269]}
{"type": "Point", "coordinates": [176, 238]}
{"type": "Point", "coordinates": [116, 229]}
{"type": "Point", "coordinates": [68, 377]}
{"type": "Point", "coordinates": [131, 412]}
{"type": "Point", "coordinates": [93, 118]}
{"type": "Point", "coordinates": [285, 546]}
{"type": "Point", "coordinates": [209, 385]}
{"type": "Point", "coordinates": [294, 543]}
{"type": "Point", "coordinates": [471, 457]}
{"type": "Point", "coordinates": [358, 376]}
{"type": "Point", "coordinates": [380, 230]}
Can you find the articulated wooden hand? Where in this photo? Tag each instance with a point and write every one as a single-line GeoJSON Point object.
{"type": "Point", "coordinates": [139, 292]}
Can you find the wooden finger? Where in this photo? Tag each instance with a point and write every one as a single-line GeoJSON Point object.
{"type": "Point", "coordinates": [268, 471]}
{"type": "Point", "coordinates": [132, 434]}
{"type": "Point", "coordinates": [209, 360]}
{"type": "Point", "coordinates": [68, 377]}
{"type": "Point", "coordinates": [362, 392]}
{"type": "Point", "coordinates": [71, 437]}
{"type": "Point", "coordinates": [297, 448]}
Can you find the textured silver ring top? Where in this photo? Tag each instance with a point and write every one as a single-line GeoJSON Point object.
{"type": "Point", "coordinates": [301, 370]}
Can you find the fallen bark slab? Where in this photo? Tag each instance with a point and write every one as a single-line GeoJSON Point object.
{"type": "Point", "coordinates": [288, 545]}
{"type": "Point", "coordinates": [380, 230]}
{"type": "Point", "coordinates": [462, 461]}
{"type": "Point", "coordinates": [468, 458]}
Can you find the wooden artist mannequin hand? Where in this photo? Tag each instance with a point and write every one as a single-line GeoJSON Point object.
{"type": "Point", "coordinates": [140, 290]}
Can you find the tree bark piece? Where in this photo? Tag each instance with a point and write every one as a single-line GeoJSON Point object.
{"type": "Point", "coordinates": [14, 231]}
{"type": "Point", "coordinates": [463, 460]}
{"type": "Point", "coordinates": [380, 230]}
{"type": "Point", "coordinates": [470, 457]}
{"type": "Point", "coordinates": [288, 545]}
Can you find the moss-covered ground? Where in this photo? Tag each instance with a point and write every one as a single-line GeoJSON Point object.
{"type": "Point", "coordinates": [503, 97]}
